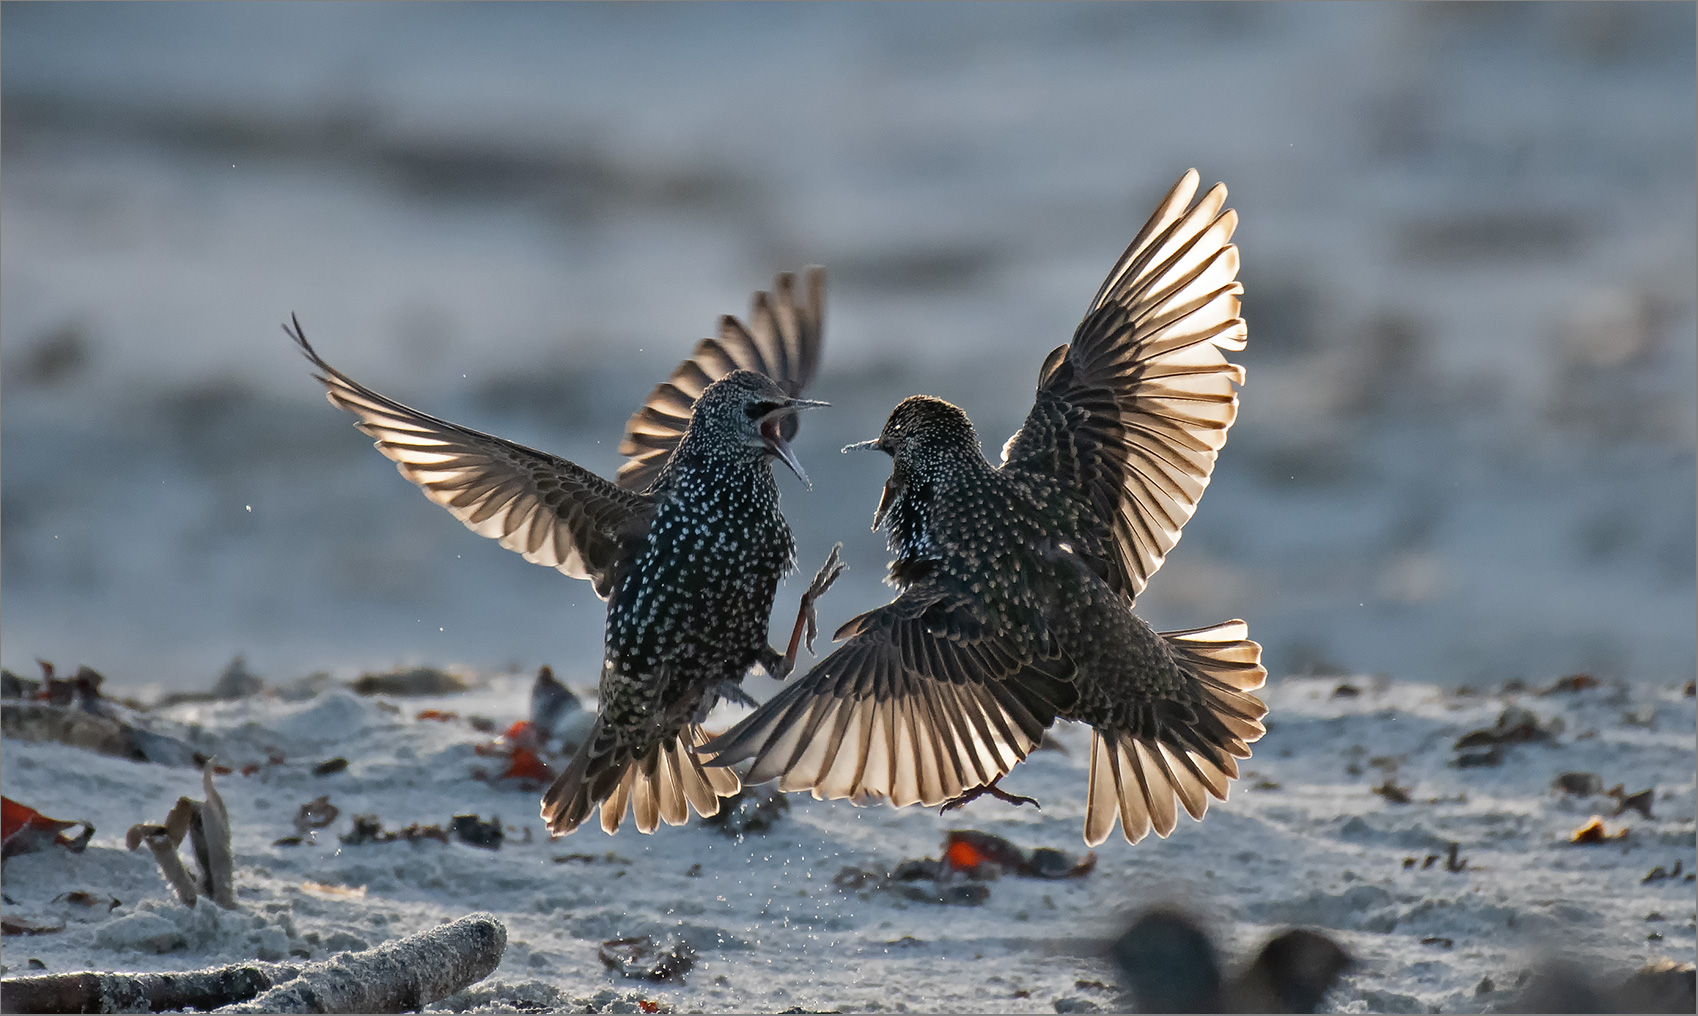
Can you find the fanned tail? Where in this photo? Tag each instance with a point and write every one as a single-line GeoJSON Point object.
{"type": "Point", "coordinates": [1139, 779]}
{"type": "Point", "coordinates": [663, 784]}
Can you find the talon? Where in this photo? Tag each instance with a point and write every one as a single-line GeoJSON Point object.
{"type": "Point", "coordinates": [992, 790]}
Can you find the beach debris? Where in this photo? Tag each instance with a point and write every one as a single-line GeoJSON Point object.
{"type": "Point", "coordinates": [82, 898]}
{"type": "Point", "coordinates": [234, 682]}
{"type": "Point", "coordinates": [330, 767]}
{"type": "Point", "coordinates": [1691, 689]}
{"type": "Point", "coordinates": [985, 855]}
{"type": "Point", "coordinates": [401, 976]}
{"type": "Point", "coordinates": [101, 731]}
{"type": "Point", "coordinates": [81, 689]}
{"type": "Point", "coordinates": [1170, 964]}
{"type": "Point", "coordinates": [316, 814]}
{"type": "Point", "coordinates": [439, 715]}
{"type": "Point", "coordinates": [24, 830]}
{"type": "Point", "coordinates": [522, 747]}
{"type": "Point", "coordinates": [1345, 691]}
{"type": "Point", "coordinates": [1660, 873]}
{"type": "Point", "coordinates": [1515, 725]}
{"type": "Point", "coordinates": [898, 883]}
{"type": "Point", "coordinates": [1572, 683]}
{"type": "Point", "coordinates": [1645, 719]}
{"type": "Point", "coordinates": [1625, 802]}
{"type": "Point", "coordinates": [207, 826]}
{"type": "Point", "coordinates": [481, 724]}
{"type": "Point", "coordinates": [368, 828]}
{"type": "Point", "coordinates": [609, 858]}
{"type": "Point", "coordinates": [1439, 940]}
{"type": "Point", "coordinates": [642, 958]}
{"type": "Point", "coordinates": [967, 853]}
{"type": "Point", "coordinates": [1392, 792]}
{"type": "Point", "coordinates": [750, 810]}
{"type": "Point", "coordinates": [472, 830]}
{"type": "Point", "coordinates": [410, 681]}
{"type": "Point", "coordinates": [14, 687]}
{"type": "Point", "coordinates": [15, 924]}
{"type": "Point", "coordinates": [1578, 784]}
{"type": "Point", "coordinates": [1452, 857]}
{"type": "Point", "coordinates": [1594, 831]}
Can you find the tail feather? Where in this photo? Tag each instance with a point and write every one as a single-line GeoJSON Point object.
{"type": "Point", "coordinates": [1140, 780]}
{"type": "Point", "coordinates": [662, 785]}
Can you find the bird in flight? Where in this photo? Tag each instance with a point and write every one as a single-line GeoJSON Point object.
{"type": "Point", "coordinates": [687, 545]}
{"type": "Point", "coordinates": [1017, 580]}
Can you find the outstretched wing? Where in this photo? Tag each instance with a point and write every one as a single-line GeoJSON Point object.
{"type": "Point", "coordinates": [552, 511]}
{"type": "Point", "coordinates": [1131, 414]}
{"type": "Point", "coordinates": [782, 341]}
{"type": "Point", "coordinates": [926, 700]}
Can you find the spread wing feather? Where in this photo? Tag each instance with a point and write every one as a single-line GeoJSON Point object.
{"type": "Point", "coordinates": [925, 700]}
{"type": "Point", "coordinates": [552, 511]}
{"type": "Point", "coordinates": [1132, 413]}
{"type": "Point", "coordinates": [782, 341]}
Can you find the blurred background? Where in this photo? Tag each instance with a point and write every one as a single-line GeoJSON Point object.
{"type": "Point", "coordinates": [1467, 443]}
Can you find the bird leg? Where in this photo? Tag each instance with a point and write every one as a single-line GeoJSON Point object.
{"type": "Point", "coordinates": [993, 790]}
{"type": "Point", "coordinates": [807, 623]}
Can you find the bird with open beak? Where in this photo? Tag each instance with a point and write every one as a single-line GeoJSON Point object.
{"type": "Point", "coordinates": [687, 545]}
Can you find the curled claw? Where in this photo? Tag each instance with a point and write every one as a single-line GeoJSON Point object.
{"type": "Point", "coordinates": [806, 620]}
{"type": "Point", "coordinates": [992, 790]}
{"type": "Point", "coordinates": [823, 580]}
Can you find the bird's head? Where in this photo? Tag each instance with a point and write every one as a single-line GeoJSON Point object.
{"type": "Point", "coordinates": [750, 410]}
{"type": "Point", "coordinates": [919, 426]}
{"type": "Point", "coordinates": [925, 438]}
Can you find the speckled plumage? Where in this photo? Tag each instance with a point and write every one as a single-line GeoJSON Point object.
{"type": "Point", "coordinates": [688, 546]}
{"type": "Point", "coordinates": [691, 612]}
{"type": "Point", "coordinates": [1038, 560]}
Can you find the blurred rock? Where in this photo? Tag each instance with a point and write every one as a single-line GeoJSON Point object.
{"type": "Point", "coordinates": [1567, 986]}
{"type": "Point", "coordinates": [1171, 965]}
{"type": "Point", "coordinates": [58, 356]}
{"type": "Point", "coordinates": [644, 958]}
{"type": "Point", "coordinates": [556, 711]}
{"type": "Point", "coordinates": [413, 681]}
{"type": "Point", "coordinates": [236, 682]}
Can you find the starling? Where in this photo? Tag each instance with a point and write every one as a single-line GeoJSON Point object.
{"type": "Point", "coordinates": [1017, 581]}
{"type": "Point", "coordinates": [687, 547]}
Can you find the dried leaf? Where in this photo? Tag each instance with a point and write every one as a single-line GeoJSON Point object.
{"type": "Point", "coordinates": [1594, 831]}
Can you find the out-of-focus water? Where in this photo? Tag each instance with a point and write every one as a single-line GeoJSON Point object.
{"type": "Point", "coordinates": [1466, 451]}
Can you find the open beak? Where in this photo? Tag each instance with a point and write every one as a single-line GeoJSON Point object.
{"type": "Point", "coordinates": [772, 431]}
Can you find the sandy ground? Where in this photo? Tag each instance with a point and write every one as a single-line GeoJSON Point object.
{"type": "Point", "coordinates": [1304, 841]}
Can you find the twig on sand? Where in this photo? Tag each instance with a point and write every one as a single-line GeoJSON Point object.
{"type": "Point", "coordinates": [399, 976]}
{"type": "Point", "coordinates": [91, 991]}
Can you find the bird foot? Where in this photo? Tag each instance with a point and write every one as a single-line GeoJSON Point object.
{"type": "Point", "coordinates": [807, 621]}
{"type": "Point", "coordinates": [991, 789]}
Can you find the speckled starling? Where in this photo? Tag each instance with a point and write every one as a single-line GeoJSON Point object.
{"type": "Point", "coordinates": [687, 547]}
{"type": "Point", "coordinates": [1017, 580]}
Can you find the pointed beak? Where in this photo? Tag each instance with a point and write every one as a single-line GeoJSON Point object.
{"type": "Point", "coordinates": [861, 446]}
{"type": "Point", "coordinates": [772, 430]}
{"type": "Point", "coordinates": [782, 448]}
